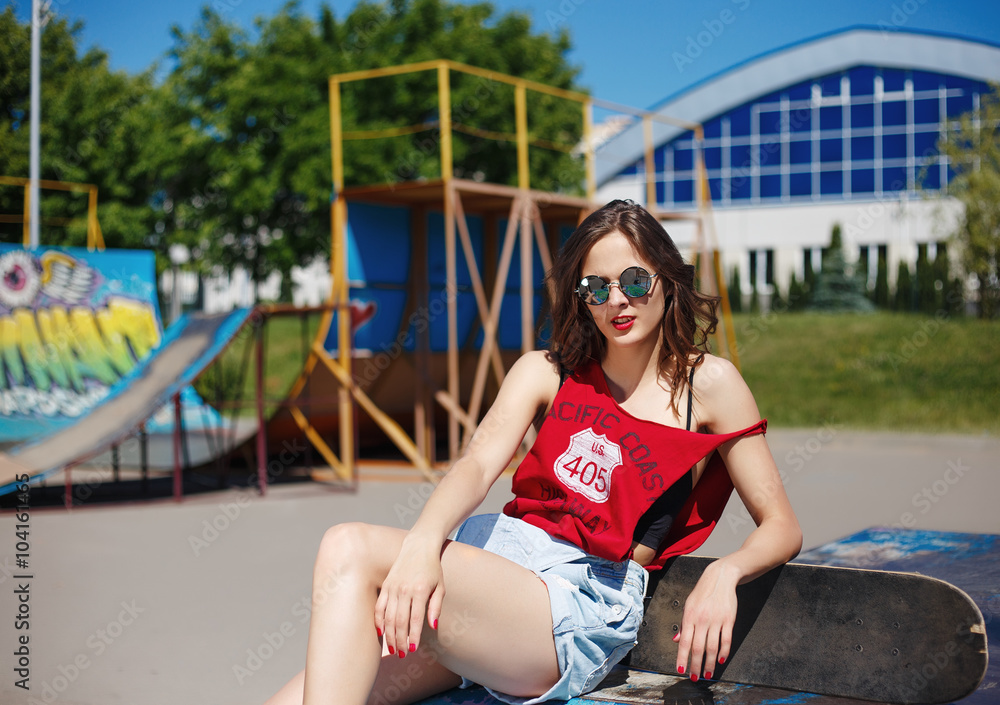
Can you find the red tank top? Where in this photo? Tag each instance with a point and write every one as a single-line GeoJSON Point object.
{"type": "Point", "coordinates": [595, 469]}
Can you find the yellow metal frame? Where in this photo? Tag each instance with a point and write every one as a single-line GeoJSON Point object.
{"type": "Point", "coordinates": [95, 238]}
{"type": "Point", "coordinates": [523, 217]}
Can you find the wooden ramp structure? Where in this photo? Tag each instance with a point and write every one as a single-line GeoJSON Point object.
{"type": "Point", "coordinates": [436, 281]}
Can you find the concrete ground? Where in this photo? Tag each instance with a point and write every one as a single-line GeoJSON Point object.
{"type": "Point", "coordinates": [207, 601]}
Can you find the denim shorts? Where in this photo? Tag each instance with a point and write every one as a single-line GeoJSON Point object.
{"type": "Point", "coordinates": [596, 604]}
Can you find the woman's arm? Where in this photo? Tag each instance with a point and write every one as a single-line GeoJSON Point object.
{"type": "Point", "coordinates": [710, 611]}
{"type": "Point", "coordinates": [414, 585]}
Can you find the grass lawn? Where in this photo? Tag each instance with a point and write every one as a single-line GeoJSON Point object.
{"type": "Point", "coordinates": [880, 371]}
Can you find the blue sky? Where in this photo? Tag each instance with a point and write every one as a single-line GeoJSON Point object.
{"type": "Point", "coordinates": [635, 52]}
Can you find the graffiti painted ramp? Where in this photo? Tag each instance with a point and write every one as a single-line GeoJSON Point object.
{"type": "Point", "coordinates": [188, 347]}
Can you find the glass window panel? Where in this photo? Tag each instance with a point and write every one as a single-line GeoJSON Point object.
{"type": "Point", "coordinates": [683, 159]}
{"type": "Point", "coordinates": [925, 144]}
{"type": "Point", "coordinates": [959, 104]}
{"type": "Point", "coordinates": [893, 79]}
{"type": "Point", "coordinates": [831, 182]}
{"type": "Point", "coordinates": [740, 187]}
{"type": "Point", "coordinates": [739, 157]}
{"type": "Point", "coordinates": [770, 186]}
{"type": "Point", "coordinates": [894, 112]}
{"type": "Point", "coordinates": [800, 120]}
{"type": "Point", "coordinates": [630, 170]}
{"type": "Point", "coordinates": [713, 157]}
{"type": "Point", "coordinates": [830, 85]}
{"type": "Point", "coordinates": [863, 115]}
{"type": "Point", "coordinates": [862, 80]}
{"type": "Point", "coordinates": [893, 146]}
{"type": "Point", "coordinates": [862, 180]}
{"type": "Point", "coordinates": [831, 150]}
{"type": "Point", "coordinates": [769, 122]}
{"type": "Point", "coordinates": [683, 191]}
{"type": "Point", "coordinates": [800, 91]}
{"type": "Point", "coordinates": [800, 152]}
{"type": "Point", "coordinates": [862, 149]}
{"type": "Point", "coordinates": [739, 121]}
{"type": "Point", "coordinates": [713, 128]}
{"type": "Point", "coordinates": [661, 191]}
{"type": "Point", "coordinates": [929, 176]}
{"type": "Point", "coordinates": [800, 183]}
{"type": "Point", "coordinates": [831, 118]}
{"type": "Point", "coordinates": [715, 188]}
{"type": "Point", "coordinates": [926, 81]}
{"type": "Point", "coordinates": [660, 157]}
{"type": "Point", "coordinates": [925, 111]}
{"type": "Point", "coordinates": [769, 153]}
{"type": "Point", "coordinates": [893, 178]}
{"type": "Point", "coordinates": [770, 98]}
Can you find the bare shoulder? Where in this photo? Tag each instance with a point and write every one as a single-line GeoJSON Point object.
{"type": "Point", "coordinates": [534, 376]}
{"type": "Point", "coordinates": [726, 401]}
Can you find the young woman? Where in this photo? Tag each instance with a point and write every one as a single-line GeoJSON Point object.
{"type": "Point", "coordinates": [642, 437]}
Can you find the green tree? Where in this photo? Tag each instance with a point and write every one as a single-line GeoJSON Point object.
{"type": "Point", "coordinates": [926, 294]}
{"type": "Point", "coordinates": [973, 152]}
{"type": "Point", "coordinates": [903, 300]}
{"type": "Point", "coordinates": [838, 287]}
{"type": "Point", "coordinates": [243, 142]}
{"type": "Point", "coordinates": [880, 295]}
{"type": "Point", "coordinates": [93, 124]}
{"type": "Point", "coordinates": [796, 294]}
{"type": "Point", "coordinates": [735, 291]}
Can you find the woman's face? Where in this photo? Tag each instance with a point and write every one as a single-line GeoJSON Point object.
{"type": "Point", "coordinates": [624, 321]}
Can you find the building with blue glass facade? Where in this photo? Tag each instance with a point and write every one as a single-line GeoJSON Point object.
{"type": "Point", "coordinates": [839, 129]}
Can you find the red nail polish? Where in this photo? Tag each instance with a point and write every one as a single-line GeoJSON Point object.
{"type": "Point", "coordinates": [435, 625]}
{"type": "Point", "coordinates": [378, 631]}
{"type": "Point", "coordinates": [694, 677]}
{"type": "Point", "coordinates": [402, 654]}
{"type": "Point", "coordinates": [680, 669]}
{"type": "Point", "coordinates": [722, 660]}
{"type": "Point", "coordinates": [413, 647]}
{"type": "Point", "coordinates": [391, 650]}
{"type": "Point", "coordinates": [708, 675]}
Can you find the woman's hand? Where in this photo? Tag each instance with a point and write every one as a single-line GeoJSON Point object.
{"type": "Point", "coordinates": [707, 626]}
{"type": "Point", "coordinates": [413, 588]}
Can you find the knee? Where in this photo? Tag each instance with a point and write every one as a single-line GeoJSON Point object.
{"type": "Point", "coordinates": [345, 549]}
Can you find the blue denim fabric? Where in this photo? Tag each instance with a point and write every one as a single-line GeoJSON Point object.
{"type": "Point", "coordinates": [596, 603]}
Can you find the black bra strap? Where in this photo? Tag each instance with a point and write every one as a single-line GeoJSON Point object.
{"type": "Point", "coordinates": [690, 397]}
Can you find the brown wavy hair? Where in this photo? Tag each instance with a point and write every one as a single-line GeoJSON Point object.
{"type": "Point", "coordinates": [689, 316]}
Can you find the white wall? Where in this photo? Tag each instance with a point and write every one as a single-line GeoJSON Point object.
{"type": "Point", "coordinates": [900, 223]}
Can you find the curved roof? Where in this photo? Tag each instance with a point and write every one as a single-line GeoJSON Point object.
{"type": "Point", "coordinates": [820, 56]}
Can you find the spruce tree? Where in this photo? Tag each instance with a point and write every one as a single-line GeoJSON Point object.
{"type": "Point", "coordinates": [904, 288]}
{"type": "Point", "coordinates": [735, 291]}
{"type": "Point", "coordinates": [881, 293]}
{"type": "Point", "coordinates": [838, 288]}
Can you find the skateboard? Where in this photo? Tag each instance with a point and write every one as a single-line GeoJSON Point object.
{"type": "Point", "coordinates": [845, 632]}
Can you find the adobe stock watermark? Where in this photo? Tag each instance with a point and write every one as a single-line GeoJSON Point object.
{"type": "Point", "coordinates": [696, 44]}
{"type": "Point", "coordinates": [796, 461]}
{"type": "Point", "coordinates": [229, 512]}
{"type": "Point", "coordinates": [408, 510]}
{"type": "Point", "coordinates": [562, 12]}
{"type": "Point", "coordinates": [96, 644]}
{"type": "Point", "coordinates": [418, 323]}
{"type": "Point", "coordinates": [908, 347]}
{"type": "Point", "coordinates": [901, 14]}
{"type": "Point", "coordinates": [925, 499]}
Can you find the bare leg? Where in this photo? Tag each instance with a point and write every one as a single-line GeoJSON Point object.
{"type": "Point", "coordinates": [495, 625]}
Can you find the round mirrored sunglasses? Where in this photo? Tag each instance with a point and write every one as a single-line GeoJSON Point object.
{"type": "Point", "coordinates": [633, 282]}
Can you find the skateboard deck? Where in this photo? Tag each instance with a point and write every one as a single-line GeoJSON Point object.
{"type": "Point", "coordinates": [866, 634]}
